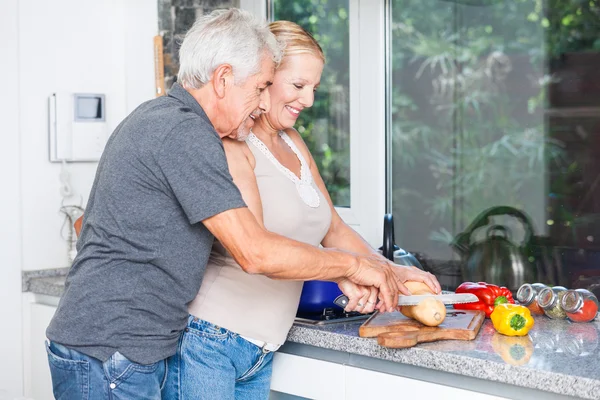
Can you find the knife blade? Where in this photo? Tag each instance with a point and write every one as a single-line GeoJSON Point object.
{"type": "Point", "coordinates": [449, 298]}
{"type": "Point", "coordinates": [446, 298]}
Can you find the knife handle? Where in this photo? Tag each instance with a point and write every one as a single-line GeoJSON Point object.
{"type": "Point", "coordinates": [341, 301]}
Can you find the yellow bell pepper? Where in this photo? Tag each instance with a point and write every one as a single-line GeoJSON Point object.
{"type": "Point", "coordinates": [512, 319]}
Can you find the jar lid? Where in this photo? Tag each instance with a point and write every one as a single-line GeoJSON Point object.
{"type": "Point", "coordinates": [526, 294]}
{"type": "Point", "coordinates": [546, 298]}
{"type": "Point", "coordinates": [538, 286]}
{"type": "Point", "coordinates": [571, 301]}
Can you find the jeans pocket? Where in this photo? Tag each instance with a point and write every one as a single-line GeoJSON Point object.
{"type": "Point", "coordinates": [163, 382]}
{"type": "Point", "coordinates": [207, 329]}
{"type": "Point", "coordinates": [70, 378]}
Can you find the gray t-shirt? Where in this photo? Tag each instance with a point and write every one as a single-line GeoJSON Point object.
{"type": "Point", "coordinates": [143, 249]}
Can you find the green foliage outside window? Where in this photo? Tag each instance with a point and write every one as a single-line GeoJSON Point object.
{"type": "Point", "coordinates": [478, 138]}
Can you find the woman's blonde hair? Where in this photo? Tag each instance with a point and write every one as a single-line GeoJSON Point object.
{"type": "Point", "coordinates": [296, 40]}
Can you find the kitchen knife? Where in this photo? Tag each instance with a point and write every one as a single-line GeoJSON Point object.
{"type": "Point", "coordinates": [446, 298]}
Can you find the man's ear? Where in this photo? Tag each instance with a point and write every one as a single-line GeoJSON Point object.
{"type": "Point", "coordinates": [222, 79]}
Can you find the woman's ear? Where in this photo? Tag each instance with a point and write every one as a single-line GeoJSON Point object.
{"type": "Point", "coordinates": [222, 79]}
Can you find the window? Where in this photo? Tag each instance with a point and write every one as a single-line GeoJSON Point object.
{"type": "Point", "coordinates": [175, 18]}
{"type": "Point", "coordinates": [495, 132]}
{"type": "Point", "coordinates": [326, 126]}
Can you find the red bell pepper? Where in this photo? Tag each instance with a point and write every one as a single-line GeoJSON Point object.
{"type": "Point", "coordinates": [489, 296]}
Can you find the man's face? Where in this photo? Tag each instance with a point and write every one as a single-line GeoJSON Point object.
{"type": "Point", "coordinates": [248, 100]}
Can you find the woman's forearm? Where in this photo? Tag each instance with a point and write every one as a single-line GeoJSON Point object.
{"type": "Point", "coordinates": [343, 237]}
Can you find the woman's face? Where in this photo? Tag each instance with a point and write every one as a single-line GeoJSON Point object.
{"type": "Point", "coordinates": [293, 89]}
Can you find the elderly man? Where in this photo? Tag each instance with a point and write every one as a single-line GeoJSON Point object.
{"type": "Point", "coordinates": [162, 193]}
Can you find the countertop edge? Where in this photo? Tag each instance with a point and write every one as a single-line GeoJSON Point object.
{"type": "Point", "coordinates": [46, 281]}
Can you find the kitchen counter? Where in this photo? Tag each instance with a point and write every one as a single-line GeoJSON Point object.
{"type": "Point", "coordinates": [557, 359]}
{"type": "Point", "coordinates": [49, 282]}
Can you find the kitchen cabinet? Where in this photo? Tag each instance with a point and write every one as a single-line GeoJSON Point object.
{"type": "Point", "coordinates": [38, 311]}
{"type": "Point", "coordinates": [365, 384]}
{"type": "Point", "coordinates": [316, 379]}
{"type": "Point", "coordinates": [307, 377]}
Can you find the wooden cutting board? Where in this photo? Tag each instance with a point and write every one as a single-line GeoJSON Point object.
{"type": "Point", "coordinates": [397, 331]}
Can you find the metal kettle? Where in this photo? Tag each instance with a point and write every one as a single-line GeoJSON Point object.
{"type": "Point", "coordinates": [497, 259]}
{"type": "Point", "coordinates": [389, 249]}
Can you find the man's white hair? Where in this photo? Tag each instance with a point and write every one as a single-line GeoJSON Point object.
{"type": "Point", "coordinates": [233, 37]}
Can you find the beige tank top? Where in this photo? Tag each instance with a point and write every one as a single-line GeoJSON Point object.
{"type": "Point", "coordinates": [255, 306]}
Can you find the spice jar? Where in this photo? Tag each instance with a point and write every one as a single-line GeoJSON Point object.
{"type": "Point", "coordinates": [549, 299]}
{"type": "Point", "coordinates": [527, 295]}
{"type": "Point", "coordinates": [580, 305]}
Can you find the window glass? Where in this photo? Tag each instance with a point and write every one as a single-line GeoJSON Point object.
{"type": "Point", "coordinates": [495, 110]}
{"type": "Point", "coordinates": [326, 126]}
{"type": "Point", "coordinates": [175, 18]}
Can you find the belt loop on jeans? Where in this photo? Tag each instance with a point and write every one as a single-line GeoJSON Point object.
{"type": "Point", "coordinates": [266, 347]}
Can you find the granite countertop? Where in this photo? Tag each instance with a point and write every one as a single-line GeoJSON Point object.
{"type": "Point", "coordinates": [557, 356]}
{"type": "Point", "coordinates": [49, 282]}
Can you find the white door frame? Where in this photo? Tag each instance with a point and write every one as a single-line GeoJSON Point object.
{"type": "Point", "coordinates": [11, 343]}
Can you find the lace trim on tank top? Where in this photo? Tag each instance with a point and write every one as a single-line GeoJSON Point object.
{"type": "Point", "coordinates": [307, 192]}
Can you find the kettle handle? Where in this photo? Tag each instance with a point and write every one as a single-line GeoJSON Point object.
{"type": "Point", "coordinates": [463, 239]}
{"type": "Point", "coordinates": [494, 229]}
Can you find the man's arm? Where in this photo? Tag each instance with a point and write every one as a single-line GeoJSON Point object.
{"type": "Point", "coordinates": [241, 164]}
{"type": "Point", "coordinates": [258, 251]}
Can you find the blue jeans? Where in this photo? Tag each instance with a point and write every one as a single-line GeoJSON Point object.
{"type": "Point", "coordinates": [215, 363]}
{"type": "Point", "coordinates": [77, 376]}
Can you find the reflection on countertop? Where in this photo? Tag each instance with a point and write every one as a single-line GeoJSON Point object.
{"type": "Point", "coordinates": [557, 356]}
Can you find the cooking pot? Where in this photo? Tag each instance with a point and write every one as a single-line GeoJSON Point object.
{"type": "Point", "coordinates": [318, 295]}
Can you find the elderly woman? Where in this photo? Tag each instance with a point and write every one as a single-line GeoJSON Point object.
{"type": "Point", "coordinates": [238, 319]}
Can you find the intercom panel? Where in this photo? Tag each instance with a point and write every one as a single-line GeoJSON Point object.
{"type": "Point", "coordinates": [78, 130]}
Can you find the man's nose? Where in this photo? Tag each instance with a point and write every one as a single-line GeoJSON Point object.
{"type": "Point", "coordinates": [265, 101]}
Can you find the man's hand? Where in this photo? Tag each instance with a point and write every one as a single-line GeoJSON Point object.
{"type": "Point", "coordinates": [380, 273]}
{"type": "Point", "coordinates": [404, 274]}
{"type": "Point", "coordinates": [360, 298]}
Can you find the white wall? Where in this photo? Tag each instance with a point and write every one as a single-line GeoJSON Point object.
{"type": "Point", "coordinates": [74, 46]}
{"type": "Point", "coordinates": [11, 378]}
{"type": "Point", "coordinates": [61, 45]}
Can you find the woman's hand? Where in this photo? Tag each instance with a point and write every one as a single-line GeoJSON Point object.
{"type": "Point", "coordinates": [360, 298]}
{"type": "Point", "coordinates": [404, 274]}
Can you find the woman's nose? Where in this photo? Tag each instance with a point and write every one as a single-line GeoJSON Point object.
{"type": "Point", "coordinates": [265, 101]}
{"type": "Point", "coordinates": [308, 98]}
